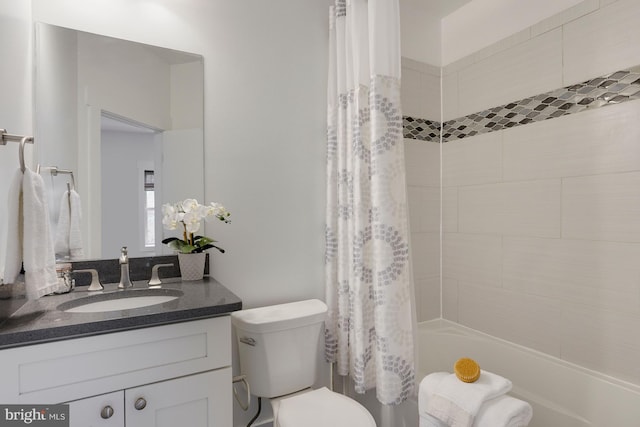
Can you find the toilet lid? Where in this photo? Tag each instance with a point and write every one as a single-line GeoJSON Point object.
{"type": "Point", "coordinates": [322, 408]}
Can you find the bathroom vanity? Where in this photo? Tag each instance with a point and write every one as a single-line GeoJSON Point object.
{"type": "Point", "coordinates": [164, 364]}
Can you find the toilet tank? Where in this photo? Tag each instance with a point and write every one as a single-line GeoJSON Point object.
{"type": "Point", "coordinates": [279, 345]}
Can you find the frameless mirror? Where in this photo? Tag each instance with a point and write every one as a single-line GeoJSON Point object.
{"type": "Point", "coordinates": [123, 122]}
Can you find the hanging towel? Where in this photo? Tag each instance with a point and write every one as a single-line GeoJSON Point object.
{"type": "Point", "coordinates": [457, 403]}
{"type": "Point", "coordinates": [29, 239]}
{"type": "Point", "coordinates": [68, 236]}
{"type": "Point", "coordinates": [13, 256]}
{"type": "Point", "coordinates": [37, 246]}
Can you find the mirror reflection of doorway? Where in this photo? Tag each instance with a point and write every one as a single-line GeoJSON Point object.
{"type": "Point", "coordinates": [128, 153]}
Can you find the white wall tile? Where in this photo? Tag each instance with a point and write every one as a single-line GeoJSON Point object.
{"type": "Point", "coordinates": [593, 273]}
{"type": "Point", "coordinates": [473, 160]}
{"type": "Point", "coordinates": [565, 16]}
{"type": "Point", "coordinates": [602, 207]}
{"type": "Point", "coordinates": [527, 208]}
{"type": "Point", "coordinates": [526, 69]}
{"type": "Point", "coordinates": [410, 93]}
{"type": "Point", "coordinates": [602, 340]}
{"type": "Point", "coordinates": [430, 299]}
{"type": "Point", "coordinates": [602, 42]}
{"type": "Point", "coordinates": [431, 209]}
{"type": "Point", "coordinates": [523, 319]}
{"type": "Point", "coordinates": [415, 202]}
{"type": "Point", "coordinates": [472, 258]}
{"type": "Point", "coordinates": [430, 93]}
{"type": "Point", "coordinates": [450, 299]}
{"type": "Point", "coordinates": [450, 108]}
{"type": "Point", "coordinates": [502, 45]}
{"type": "Point", "coordinates": [420, 91]}
{"type": "Point", "coordinates": [450, 209]}
{"type": "Point", "coordinates": [422, 160]}
{"type": "Point", "coordinates": [588, 143]}
{"type": "Point", "coordinates": [425, 255]}
{"type": "Point", "coordinates": [424, 209]}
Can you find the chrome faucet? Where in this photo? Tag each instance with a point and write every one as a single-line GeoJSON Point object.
{"type": "Point", "coordinates": [125, 281]}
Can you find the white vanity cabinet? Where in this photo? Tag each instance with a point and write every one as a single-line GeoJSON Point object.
{"type": "Point", "coordinates": [171, 375]}
{"type": "Point", "coordinates": [195, 400]}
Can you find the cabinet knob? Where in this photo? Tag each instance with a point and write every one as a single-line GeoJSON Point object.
{"type": "Point", "coordinates": [140, 404]}
{"type": "Point", "coordinates": [107, 412]}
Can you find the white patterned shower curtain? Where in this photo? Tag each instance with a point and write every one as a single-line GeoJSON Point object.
{"type": "Point", "coordinates": [369, 329]}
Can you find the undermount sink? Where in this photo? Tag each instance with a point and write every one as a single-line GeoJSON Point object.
{"type": "Point", "coordinates": [120, 300]}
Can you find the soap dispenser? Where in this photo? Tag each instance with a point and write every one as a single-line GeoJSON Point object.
{"type": "Point", "coordinates": [125, 281]}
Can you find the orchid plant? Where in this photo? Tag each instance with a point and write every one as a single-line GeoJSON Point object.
{"type": "Point", "coordinates": [188, 215]}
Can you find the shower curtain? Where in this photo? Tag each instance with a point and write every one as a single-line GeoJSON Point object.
{"type": "Point", "coordinates": [369, 328]}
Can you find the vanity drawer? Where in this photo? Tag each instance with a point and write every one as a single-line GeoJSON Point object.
{"type": "Point", "coordinates": [76, 368]}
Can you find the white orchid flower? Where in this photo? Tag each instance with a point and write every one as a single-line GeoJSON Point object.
{"type": "Point", "coordinates": [170, 219]}
{"type": "Point", "coordinates": [192, 221]}
{"type": "Point", "coordinates": [188, 215]}
{"type": "Point", "coordinates": [190, 205]}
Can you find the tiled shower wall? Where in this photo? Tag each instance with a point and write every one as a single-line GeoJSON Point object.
{"type": "Point", "coordinates": [541, 222]}
{"type": "Point", "coordinates": [421, 99]}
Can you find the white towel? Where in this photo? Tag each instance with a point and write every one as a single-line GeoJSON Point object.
{"type": "Point", "coordinates": [31, 244]}
{"type": "Point", "coordinates": [457, 403]}
{"type": "Point", "coordinates": [13, 256]}
{"type": "Point", "coordinates": [37, 247]}
{"type": "Point", "coordinates": [502, 411]}
{"type": "Point", "coordinates": [68, 236]}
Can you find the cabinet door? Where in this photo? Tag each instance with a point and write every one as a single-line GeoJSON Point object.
{"type": "Point", "coordinates": [106, 410]}
{"type": "Point", "coordinates": [202, 400]}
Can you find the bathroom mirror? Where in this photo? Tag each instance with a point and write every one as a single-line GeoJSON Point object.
{"type": "Point", "coordinates": [123, 121]}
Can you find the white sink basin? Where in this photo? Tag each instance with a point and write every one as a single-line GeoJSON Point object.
{"type": "Point", "coordinates": [117, 301]}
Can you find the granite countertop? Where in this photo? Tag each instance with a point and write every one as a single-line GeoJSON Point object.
{"type": "Point", "coordinates": [25, 322]}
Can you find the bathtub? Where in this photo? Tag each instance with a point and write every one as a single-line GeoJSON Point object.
{"type": "Point", "coordinates": [561, 394]}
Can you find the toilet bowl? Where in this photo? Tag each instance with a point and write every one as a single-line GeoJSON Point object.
{"type": "Point", "coordinates": [319, 408]}
{"type": "Point", "coordinates": [278, 347]}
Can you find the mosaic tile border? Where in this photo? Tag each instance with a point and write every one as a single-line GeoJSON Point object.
{"type": "Point", "coordinates": [614, 88]}
{"type": "Point", "coordinates": [422, 129]}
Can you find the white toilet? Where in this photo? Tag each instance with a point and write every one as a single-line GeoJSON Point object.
{"type": "Point", "coordinates": [278, 347]}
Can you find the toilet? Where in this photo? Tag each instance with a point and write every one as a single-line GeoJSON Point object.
{"type": "Point", "coordinates": [278, 347]}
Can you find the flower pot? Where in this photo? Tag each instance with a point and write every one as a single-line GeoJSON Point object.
{"type": "Point", "coordinates": [192, 265]}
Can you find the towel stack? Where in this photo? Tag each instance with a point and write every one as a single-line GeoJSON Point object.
{"type": "Point", "coordinates": [445, 401]}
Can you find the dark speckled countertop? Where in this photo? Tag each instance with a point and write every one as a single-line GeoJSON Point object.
{"type": "Point", "coordinates": [24, 322]}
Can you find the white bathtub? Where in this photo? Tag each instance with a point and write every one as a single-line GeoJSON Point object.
{"type": "Point", "coordinates": [561, 394]}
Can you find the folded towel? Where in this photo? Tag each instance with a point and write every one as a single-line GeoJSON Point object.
{"type": "Point", "coordinates": [37, 245]}
{"type": "Point", "coordinates": [68, 236]}
{"type": "Point", "coordinates": [457, 403]}
{"type": "Point", "coordinates": [13, 256]}
{"type": "Point", "coordinates": [504, 411]}
{"type": "Point", "coordinates": [427, 420]}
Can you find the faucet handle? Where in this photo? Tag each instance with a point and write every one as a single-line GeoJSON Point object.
{"type": "Point", "coordinates": [95, 279]}
{"type": "Point", "coordinates": [155, 279]}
